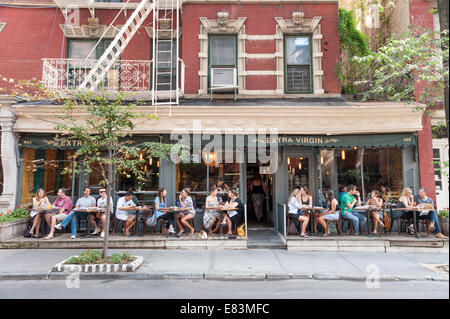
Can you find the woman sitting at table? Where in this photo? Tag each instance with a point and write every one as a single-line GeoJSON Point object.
{"type": "Point", "coordinates": [185, 216]}
{"type": "Point", "coordinates": [211, 216]}
{"type": "Point", "coordinates": [377, 215]}
{"type": "Point", "coordinates": [295, 210]}
{"type": "Point", "coordinates": [39, 202]}
{"type": "Point", "coordinates": [160, 203]}
{"type": "Point", "coordinates": [331, 213]}
{"type": "Point", "coordinates": [405, 201]}
{"type": "Point", "coordinates": [236, 216]}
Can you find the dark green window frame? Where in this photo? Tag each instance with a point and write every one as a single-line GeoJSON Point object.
{"type": "Point", "coordinates": [286, 65]}
{"type": "Point", "coordinates": [210, 65]}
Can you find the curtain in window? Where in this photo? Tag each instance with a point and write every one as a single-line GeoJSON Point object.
{"type": "Point", "coordinates": [222, 51]}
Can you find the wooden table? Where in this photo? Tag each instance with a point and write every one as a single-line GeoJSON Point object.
{"type": "Point", "coordinates": [367, 210]}
{"type": "Point", "coordinates": [414, 210]}
{"type": "Point", "coordinates": [43, 211]}
{"type": "Point", "coordinates": [89, 211]}
{"type": "Point", "coordinates": [311, 210]}
{"type": "Point", "coordinates": [142, 209]}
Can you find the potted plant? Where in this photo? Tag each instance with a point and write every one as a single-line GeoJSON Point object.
{"type": "Point", "coordinates": [13, 223]}
{"type": "Point", "coordinates": [443, 220]}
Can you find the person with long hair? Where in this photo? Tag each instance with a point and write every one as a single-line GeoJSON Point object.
{"type": "Point", "coordinates": [406, 200]}
{"type": "Point", "coordinates": [258, 190]}
{"type": "Point", "coordinates": [40, 201]}
{"type": "Point", "coordinates": [211, 215]}
{"type": "Point", "coordinates": [331, 213]}
{"type": "Point", "coordinates": [184, 217]}
{"type": "Point", "coordinates": [236, 216]}
{"type": "Point", "coordinates": [295, 211]}
{"type": "Point", "coordinates": [161, 202]}
{"type": "Point", "coordinates": [377, 215]}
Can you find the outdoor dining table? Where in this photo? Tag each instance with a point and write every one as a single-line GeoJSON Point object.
{"type": "Point", "coordinates": [312, 210]}
{"type": "Point", "coordinates": [142, 209]}
{"type": "Point", "coordinates": [414, 210]}
{"type": "Point", "coordinates": [44, 211]}
{"type": "Point", "coordinates": [89, 211]}
{"type": "Point", "coordinates": [366, 210]}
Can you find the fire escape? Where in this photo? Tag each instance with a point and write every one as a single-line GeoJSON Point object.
{"type": "Point", "coordinates": [164, 69]}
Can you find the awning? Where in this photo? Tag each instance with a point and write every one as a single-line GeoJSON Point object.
{"type": "Point", "coordinates": [48, 141]}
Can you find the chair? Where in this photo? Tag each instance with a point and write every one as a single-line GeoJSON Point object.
{"type": "Point", "coordinates": [338, 224]}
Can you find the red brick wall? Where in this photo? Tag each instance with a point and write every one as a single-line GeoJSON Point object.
{"type": "Point", "coordinates": [420, 15]}
{"type": "Point", "coordinates": [260, 21]}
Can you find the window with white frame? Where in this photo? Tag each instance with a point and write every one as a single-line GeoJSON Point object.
{"type": "Point", "coordinates": [298, 65]}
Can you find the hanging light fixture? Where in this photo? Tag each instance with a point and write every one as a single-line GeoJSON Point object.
{"type": "Point", "coordinates": [300, 166]}
{"type": "Point", "coordinates": [157, 164]}
{"type": "Point", "coordinates": [321, 160]}
{"type": "Point", "coordinates": [356, 147]}
{"type": "Point", "coordinates": [289, 161]}
{"type": "Point", "coordinates": [343, 154]}
{"type": "Point", "coordinates": [150, 161]}
{"type": "Point", "coordinates": [141, 157]}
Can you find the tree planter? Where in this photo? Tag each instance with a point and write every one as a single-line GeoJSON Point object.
{"type": "Point", "coordinates": [444, 225]}
{"type": "Point", "coordinates": [99, 268]}
{"type": "Point", "coordinates": [12, 229]}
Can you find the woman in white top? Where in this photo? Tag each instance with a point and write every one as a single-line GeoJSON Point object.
{"type": "Point", "coordinates": [295, 211]}
{"type": "Point", "coordinates": [39, 202]}
{"type": "Point", "coordinates": [184, 217]}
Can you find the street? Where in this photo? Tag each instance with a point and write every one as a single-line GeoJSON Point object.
{"type": "Point", "coordinates": [207, 289]}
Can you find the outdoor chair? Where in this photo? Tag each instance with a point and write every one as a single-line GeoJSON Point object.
{"type": "Point", "coordinates": [338, 224]}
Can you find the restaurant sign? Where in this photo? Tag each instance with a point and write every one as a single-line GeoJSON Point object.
{"type": "Point", "coordinates": [339, 141]}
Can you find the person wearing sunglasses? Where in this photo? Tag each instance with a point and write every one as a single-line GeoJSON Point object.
{"type": "Point", "coordinates": [102, 203]}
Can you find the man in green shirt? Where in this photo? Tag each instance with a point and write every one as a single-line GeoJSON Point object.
{"type": "Point", "coordinates": [347, 203]}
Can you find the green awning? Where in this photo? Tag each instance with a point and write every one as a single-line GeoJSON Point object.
{"type": "Point", "coordinates": [340, 141]}
{"type": "Point", "coordinates": [48, 141]}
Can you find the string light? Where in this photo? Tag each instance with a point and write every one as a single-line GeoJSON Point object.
{"type": "Point", "coordinates": [141, 157]}
{"type": "Point", "coordinates": [343, 154]}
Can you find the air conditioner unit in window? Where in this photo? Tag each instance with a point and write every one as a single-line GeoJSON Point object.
{"type": "Point", "coordinates": [223, 77]}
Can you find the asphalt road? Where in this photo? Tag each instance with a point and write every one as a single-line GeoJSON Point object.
{"type": "Point", "coordinates": [208, 289]}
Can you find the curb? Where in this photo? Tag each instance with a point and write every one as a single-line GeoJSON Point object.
{"type": "Point", "coordinates": [213, 276]}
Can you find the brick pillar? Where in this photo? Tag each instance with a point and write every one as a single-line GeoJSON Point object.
{"type": "Point", "coordinates": [425, 149]}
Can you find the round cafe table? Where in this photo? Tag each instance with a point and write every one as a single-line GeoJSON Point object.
{"type": "Point", "coordinates": [414, 210]}
{"type": "Point", "coordinates": [88, 211]}
{"type": "Point", "coordinates": [311, 210]}
{"type": "Point", "coordinates": [146, 211]}
{"type": "Point", "coordinates": [366, 210]}
{"type": "Point", "coordinates": [43, 211]}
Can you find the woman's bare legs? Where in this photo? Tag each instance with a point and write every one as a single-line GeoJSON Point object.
{"type": "Point", "coordinates": [304, 220]}
{"type": "Point", "coordinates": [184, 221]}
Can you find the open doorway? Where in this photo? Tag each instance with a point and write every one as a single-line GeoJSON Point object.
{"type": "Point", "coordinates": [259, 197]}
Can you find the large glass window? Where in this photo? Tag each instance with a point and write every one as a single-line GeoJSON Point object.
{"type": "Point", "coordinates": [349, 168]}
{"type": "Point", "coordinates": [383, 167]}
{"type": "Point", "coordinates": [43, 169]}
{"type": "Point", "coordinates": [298, 66]}
{"type": "Point", "coordinates": [298, 172]}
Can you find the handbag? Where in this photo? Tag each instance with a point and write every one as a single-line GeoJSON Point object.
{"type": "Point", "coordinates": [241, 230]}
{"type": "Point", "coordinates": [386, 220]}
{"type": "Point", "coordinates": [151, 221]}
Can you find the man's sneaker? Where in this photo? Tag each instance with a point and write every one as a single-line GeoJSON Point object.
{"type": "Point", "coordinates": [73, 237]}
{"type": "Point", "coordinates": [171, 231]}
{"type": "Point", "coordinates": [96, 231]}
{"type": "Point", "coordinates": [102, 235]}
{"type": "Point", "coordinates": [58, 226]}
{"type": "Point", "coordinates": [432, 227]}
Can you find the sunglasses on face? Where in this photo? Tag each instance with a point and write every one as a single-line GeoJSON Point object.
{"type": "Point", "coordinates": [102, 191]}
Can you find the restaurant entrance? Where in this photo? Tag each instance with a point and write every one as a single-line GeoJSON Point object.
{"type": "Point", "coordinates": [259, 197]}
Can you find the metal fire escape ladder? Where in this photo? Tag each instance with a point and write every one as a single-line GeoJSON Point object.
{"type": "Point", "coordinates": [165, 54]}
{"type": "Point", "coordinates": [112, 53]}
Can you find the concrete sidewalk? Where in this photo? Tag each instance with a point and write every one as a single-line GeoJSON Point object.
{"type": "Point", "coordinates": [260, 264]}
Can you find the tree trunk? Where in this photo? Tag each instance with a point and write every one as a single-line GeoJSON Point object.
{"type": "Point", "coordinates": [443, 21]}
{"type": "Point", "coordinates": [108, 204]}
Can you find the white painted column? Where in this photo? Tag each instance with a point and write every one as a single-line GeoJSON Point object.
{"type": "Point", "coordinates": [9, 160]}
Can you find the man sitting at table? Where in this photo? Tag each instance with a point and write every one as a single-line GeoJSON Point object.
{"type": "Point", "coordinates": [101, 203]}
{"type": "Point", "coordinates": [125, 204]}
{"type": "Point", "coordinates": [86, 201]}
{"type": "Point", "coordinates": [347, 203]}
{"type": "Point", "coordinates": [430, 215]}
{"type": "Point", "coordinates": [64, 205]}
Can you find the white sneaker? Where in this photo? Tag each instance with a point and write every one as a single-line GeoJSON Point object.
{"type": "Point", "coordinates": [58, 226]}
{"type": "Point", "coordinates": [171, 231]}
{"type": "Point", "coordinates": [96, 231]}
{"type": "Point", "coordinates": [73, 237]}
{"type": "Point", "coordinates": [102, 235]}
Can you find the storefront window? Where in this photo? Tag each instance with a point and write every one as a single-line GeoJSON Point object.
{"type": "Point", "coordinates": [327, 163]}
{"type": "Point", "coordinates": [383, 167]}
{"type": "Point", "coordinates": [349, 168]}
{"type": "Point", "coordinates": [43, 169]}
{"type": "Point", "coordinates": [298, 172]}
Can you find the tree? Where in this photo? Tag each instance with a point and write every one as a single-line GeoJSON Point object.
{"type": "Point", "coordinates": [393, 71]}
{"type": "Point", "coordinates": [99, 122]}
{"type": "Point", "coordinates": [443, 21]}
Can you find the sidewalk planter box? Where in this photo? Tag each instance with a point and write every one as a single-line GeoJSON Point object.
{"type": "Point", "coordinates": [99, 268]}
{"type": "Point", "coordinates": [12, 229]}
{"type": "Point", "coordinates": [444, 225]}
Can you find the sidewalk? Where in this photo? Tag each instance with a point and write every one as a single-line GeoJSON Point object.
{"type": "Point", "coordinates": [263, 264]}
